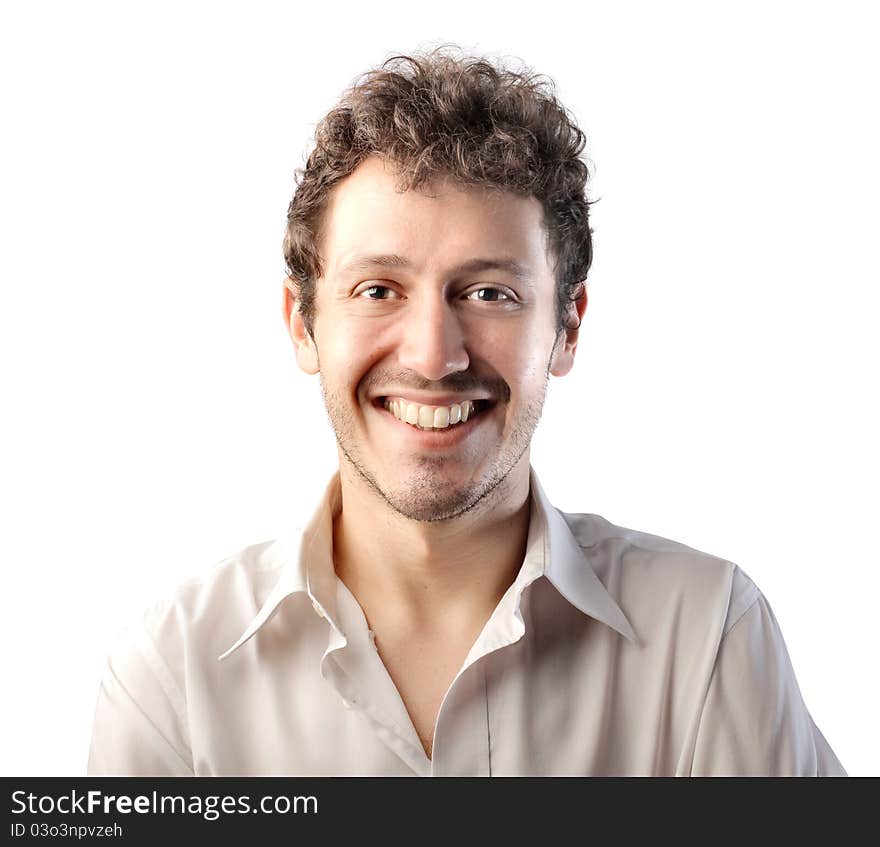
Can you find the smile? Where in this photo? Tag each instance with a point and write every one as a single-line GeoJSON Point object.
{"type": "Point", "coordinates": [432, 417]}
{"type": "Point", "coordinates": [428, 417]}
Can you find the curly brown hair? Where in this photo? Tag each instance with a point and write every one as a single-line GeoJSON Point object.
{"type": "Point", "coordinates": [440, 114]}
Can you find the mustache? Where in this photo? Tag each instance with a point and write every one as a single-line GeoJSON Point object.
{"type": "Point", "coordinates": [457, 383]}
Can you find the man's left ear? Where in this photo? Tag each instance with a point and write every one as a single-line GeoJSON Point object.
{"type": "Point", "coordinates": [562, 360]}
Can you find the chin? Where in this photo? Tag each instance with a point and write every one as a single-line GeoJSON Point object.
{"type": "Point", "coordinates": [420, 498]}
{"type": "Point", "coordinates": [416, 505]}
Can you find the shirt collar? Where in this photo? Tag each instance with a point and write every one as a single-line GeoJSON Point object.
{"type": "Point", "coordinates": [553, 551]}
{"type": "Point", "coordinates": [568, 566]}
{"type": "Point", "coordinates": [306, 565]}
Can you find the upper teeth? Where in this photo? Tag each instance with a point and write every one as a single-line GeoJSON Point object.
{"type": "Point", "coordinates": [429, 417]}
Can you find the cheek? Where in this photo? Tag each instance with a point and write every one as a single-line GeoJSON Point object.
{"type": "Point", "coordinates": [518, 355]}
{"type": "Point", "coordinates": [345, 350]}
{"type": "Point", "coordinates": [343, 339]}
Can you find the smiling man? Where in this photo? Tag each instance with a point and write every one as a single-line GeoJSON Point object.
{"type": "Point", "coordinates": [437, 615]}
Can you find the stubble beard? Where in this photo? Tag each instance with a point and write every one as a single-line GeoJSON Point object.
{"type": "Point", "coordinates": [424, 497]}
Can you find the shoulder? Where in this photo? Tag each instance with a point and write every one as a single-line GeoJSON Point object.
{"type": "Point", "coordinates": [197, 621]}
{"type": "Point", "coordinates": [164, 664]}
{"type": "Point", "coordinates": [234, 586]}
{"type": "Point", "coordinates": [650, 574]}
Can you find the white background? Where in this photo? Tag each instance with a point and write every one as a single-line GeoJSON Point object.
{"type": "Point", "coordinates": [154, 421]}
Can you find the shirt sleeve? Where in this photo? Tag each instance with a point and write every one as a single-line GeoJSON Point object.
{"type": "Point", "coordinates": [140, 726]}
{"type": "Point", "coordinates": [754, 721]}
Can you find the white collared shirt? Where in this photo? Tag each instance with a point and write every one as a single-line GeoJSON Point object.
{"type": "Point", "coordinates": [613, 652]}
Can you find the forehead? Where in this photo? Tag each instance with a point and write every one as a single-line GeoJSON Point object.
{"type": "Point", "coordinates": [443, 223]}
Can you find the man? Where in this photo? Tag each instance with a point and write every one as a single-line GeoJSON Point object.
{"type": "Point", "coordinates": [437, 615]}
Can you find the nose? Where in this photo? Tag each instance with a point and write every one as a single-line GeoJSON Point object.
{"type": "Point", "coordinates": [433, 340]}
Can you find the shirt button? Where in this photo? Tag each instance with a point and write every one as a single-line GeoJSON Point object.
{"type": "Point", "coordinates": [317, 608]}
{"type": "Point", "coordinates": [346, 703]}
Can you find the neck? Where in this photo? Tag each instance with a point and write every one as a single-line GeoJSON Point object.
{"type": "Point", "coordinates": [432, 575]}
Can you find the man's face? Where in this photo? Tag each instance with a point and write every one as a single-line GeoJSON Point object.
{"type": "Point", "coordinates": [430, 299]}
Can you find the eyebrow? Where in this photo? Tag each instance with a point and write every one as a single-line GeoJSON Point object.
{"type": "Point", "coordinates": [393, 260]}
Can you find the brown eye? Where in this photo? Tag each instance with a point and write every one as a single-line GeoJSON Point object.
{"type": "Point", "coordinates": [497, 295]}
{"type": "Point", "coordinates": [375, 289]}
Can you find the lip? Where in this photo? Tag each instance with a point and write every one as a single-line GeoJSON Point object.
{"type": "Point", "coordinates": [436, 439]}
{"type": "Point", "coordinates": [436, 400]}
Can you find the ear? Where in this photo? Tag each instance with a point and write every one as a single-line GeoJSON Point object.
{"type": "Point", "coordinates": [563, 353]}
{"type": "Point", "coordinates": [304, 344]}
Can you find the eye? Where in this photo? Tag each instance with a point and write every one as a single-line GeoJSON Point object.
{"type": "Point", "coordinates": [379, 290]}
{"type": "Point", "coordinates": [497, 295]}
